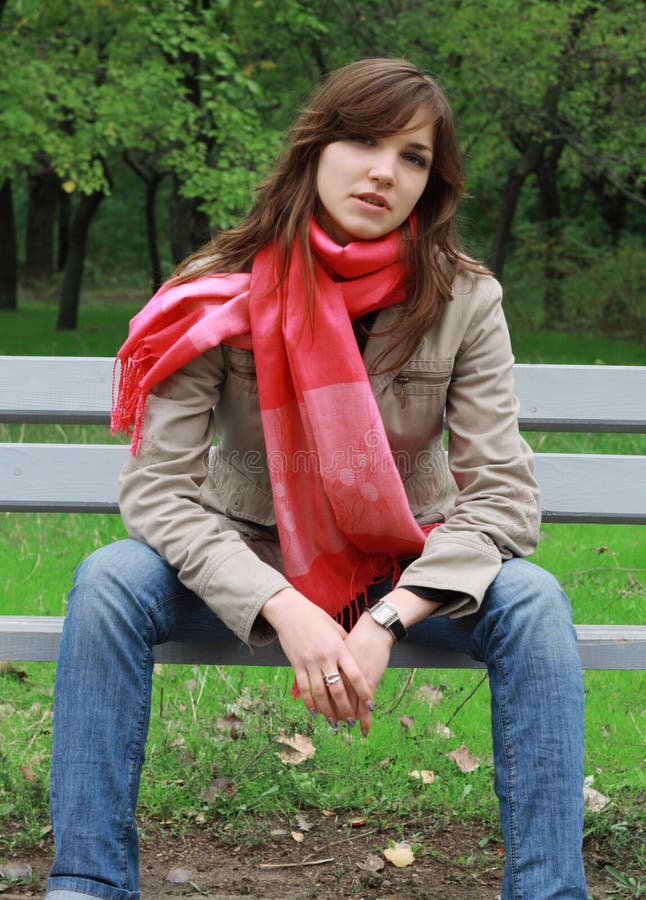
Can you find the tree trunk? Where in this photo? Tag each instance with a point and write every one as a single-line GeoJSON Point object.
{"type": "Point", "coordinates": [613, 206]}
{"type": "Point", "coordinates": [151, 232]}
{"type": "Point", "coordinates": [189, 226]}
{"type": "Point", "coordinates": [145, 169]}
{"type": "Point", "coordinates": [550, 213]}
{"type": "Point", "coordinates": [8, 250]}
{"type": "Point", "coordinates": [64, 212]}
{"type": "Point", "coordinates": [73, 275]}
{"type": "Point", "coordinates": [511, 192]}
{"type": "Point", "coordinates": [41, 216]}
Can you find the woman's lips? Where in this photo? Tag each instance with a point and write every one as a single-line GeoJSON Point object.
{"type": "Point", "coordinates": [374, 201]}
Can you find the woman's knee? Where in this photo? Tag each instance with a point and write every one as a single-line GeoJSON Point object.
{"type": "Point", "coordinates": [527, 603]}
{"type": "Point", "coordinates": [119, 579]}
{"type": "Point", "coordinates": [110, 565]}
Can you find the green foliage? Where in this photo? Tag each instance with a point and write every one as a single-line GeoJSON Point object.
{"type": "Point", "coordinates": [203, 91]}
{"type": "Point", "coordinates": [603, 284]}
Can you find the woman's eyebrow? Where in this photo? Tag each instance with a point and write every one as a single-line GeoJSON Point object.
{"type": "Point", "coordinates": [416, 146]}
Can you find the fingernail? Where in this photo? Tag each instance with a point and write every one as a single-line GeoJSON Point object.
{"type": "Point", "coordinates": [350, 722]}
{"type": "Point", "coordinates": [364, 733]}
{"type": "Point", "coordinates": [334, 726]}
{"type": "Point", "coordinates": [371, 705]}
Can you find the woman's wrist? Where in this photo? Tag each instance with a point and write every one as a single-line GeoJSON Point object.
{"type": "Point", "coordinates": [276, 608]}
{"type": "Point", "coordinates": [410, 607]}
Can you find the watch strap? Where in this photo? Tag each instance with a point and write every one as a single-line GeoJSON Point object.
{"type": "Point", "coordinates": [385, 614]}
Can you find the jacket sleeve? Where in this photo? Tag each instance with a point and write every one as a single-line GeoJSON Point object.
{"type": "Point", "coordinates": [160, 502]}
{"type": "Point", "coordinates": [497, 509]}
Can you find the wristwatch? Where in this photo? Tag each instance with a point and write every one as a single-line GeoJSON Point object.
{"type": "Point", "coordinates": [385, 614]}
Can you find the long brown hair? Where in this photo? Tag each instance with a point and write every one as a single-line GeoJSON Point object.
{"type": "Point", "coordinates": [376, 98]}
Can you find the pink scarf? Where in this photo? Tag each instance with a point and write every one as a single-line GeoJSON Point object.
{"type": "Point", "coordinates": [340, 504]}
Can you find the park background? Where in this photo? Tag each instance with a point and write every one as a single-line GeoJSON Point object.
{"type": "Point", "coordinates": [129, 131]}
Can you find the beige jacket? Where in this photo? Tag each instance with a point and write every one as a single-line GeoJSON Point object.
{"type": "Point", "coordinates": [208, 509]}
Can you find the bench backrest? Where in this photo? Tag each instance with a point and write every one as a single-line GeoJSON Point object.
{"type": "Point", "coordinates": [83, 477]}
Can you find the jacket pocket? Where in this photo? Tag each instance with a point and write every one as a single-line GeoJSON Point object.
{"type": "Point", "coordinates": [242, 369]}
{"type": "Point", "coordinates": [229, 491]}
{"type": "Point", "coordinates": [422, 378]}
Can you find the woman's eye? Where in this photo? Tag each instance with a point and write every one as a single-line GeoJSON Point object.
{"type": "Point", "coordinates": [362, 139]}
{"type": "Point", "coordinates": [416, 160]}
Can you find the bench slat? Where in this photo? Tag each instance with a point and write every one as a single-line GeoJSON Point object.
{"type": "Point", "coordinates": [37, 638]}
{"type": "Point", "coordinates": [581, 398]}
{"type": "Point", "coordinates": [83, 478]}
{"type": "Point", "coordinates": [72, 390]}
{"type": "Point", "coordinates": [552, 397]}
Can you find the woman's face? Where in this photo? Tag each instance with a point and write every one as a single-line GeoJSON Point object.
{"type": "Point", "coordinates": [368, 186]}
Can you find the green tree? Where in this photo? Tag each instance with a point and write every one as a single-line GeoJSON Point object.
{"type": "Point", "coordinates": [550, 93]}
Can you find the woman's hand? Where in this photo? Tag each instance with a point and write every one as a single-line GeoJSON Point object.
{"type": "Point", "coordinates": [316, 645]}
{"type": "Point", "coordinates": [370, 645]}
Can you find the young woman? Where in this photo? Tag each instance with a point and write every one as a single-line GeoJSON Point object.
{"type": "Point", "coordinates": [323, 342]}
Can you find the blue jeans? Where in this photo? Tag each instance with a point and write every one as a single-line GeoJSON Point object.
{"type": "Point", "coordinates": [126, 599]}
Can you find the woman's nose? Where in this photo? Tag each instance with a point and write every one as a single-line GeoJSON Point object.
{"type": "Point", "coordinates": [383, 169]}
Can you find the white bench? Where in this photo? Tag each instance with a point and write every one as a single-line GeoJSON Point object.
{"type": "Point", "coordinates": [50, 477]}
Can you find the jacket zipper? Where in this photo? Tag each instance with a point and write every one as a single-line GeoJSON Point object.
{"type": "Point", "coordinates": [405, 378]}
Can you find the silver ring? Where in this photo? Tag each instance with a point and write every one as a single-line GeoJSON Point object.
{"type": "Point", "coordinates": [332, 678]}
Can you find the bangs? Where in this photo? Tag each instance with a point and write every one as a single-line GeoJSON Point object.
{"type": "Point", "coordinates": [379, 113]}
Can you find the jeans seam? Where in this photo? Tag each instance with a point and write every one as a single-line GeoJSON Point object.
{"type": "Point", "coordinates": [139, 742]}
{"type": "Point", "coordinates": [509, 761]}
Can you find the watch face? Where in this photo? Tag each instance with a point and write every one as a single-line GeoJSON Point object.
{"type": "Point", "coordinates": [386, 614]}
{"type": "Point", "coordinates": [383, 613]}
{"type": "Point", "coordinates": [380, 615]}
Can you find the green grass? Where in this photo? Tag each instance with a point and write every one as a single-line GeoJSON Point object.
{"type": "Point", "coordinates": [602, 568]}
{"type": "Point", "coordinates": [101, 329]}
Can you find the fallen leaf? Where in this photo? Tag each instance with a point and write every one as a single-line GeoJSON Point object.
{"type": "Point", "coordinates": [593, 800]}
{"type": "Point", "coordinates": [443, 731]}
{"type": "Point", "coordinates": [464, 759]}
{"type": "Point", "coordinates": [217, 787]}
{"type": "Point", "coordinates": [406, 722]}
{"type": "Point", "coordinates": [425, 775]}
{"type": "Point", "coordinates": [231, 724]}
{"type": "Point", "coordinates": [298, 836]}
{"type": "Point", "coordinates": [431, 694]}
{"type": "Point", "coordinates": [372, 863]}
{"type": "Point", "coordinates": [303, 823]}
{"type": "Point", "coordinates": [16, 870]}
{"type": "Point", "coordinates": [179, 876]}
{"type": "Point", "coordinates": [297, 749]}
{"type": "Point", "coordinates": [28, 773]}
{"type": "Point", "coordinates": [7, 668]}
{"type": "Point", "coordinates": [327, 812]}
{"type": "Point", "coordinates": [277, 832]}
{"type": "Point", "coordinates": [357, 823]}
{"type": "Point", "coordinates": [400, 854]}
{"type": "Point", "coordinates": [388, 761]}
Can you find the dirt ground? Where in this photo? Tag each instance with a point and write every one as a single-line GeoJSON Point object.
{"type": "Point", "coordinates": [329, 859]}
